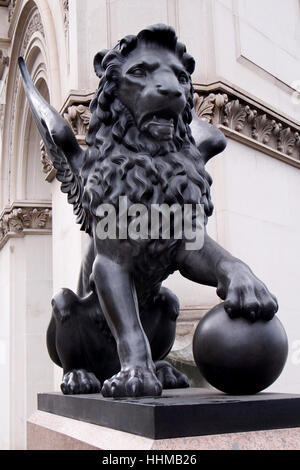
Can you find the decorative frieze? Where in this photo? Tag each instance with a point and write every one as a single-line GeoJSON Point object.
{"type": "Point", "coordinates": [22, 219]}
{"type": "Point", "coordinates": [250, 124]}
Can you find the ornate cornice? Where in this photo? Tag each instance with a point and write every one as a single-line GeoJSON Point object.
{"type": "Point", "coordinates": [250, 124]}
{"type": "Point", "coordinates": [235, 116]}
{"type": "Point", "coordinates": [22, 219]}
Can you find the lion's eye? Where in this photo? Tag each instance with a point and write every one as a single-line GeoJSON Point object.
{"type": "Point", "coordinates": [137, 72]}
{"type": "Point", "coordinates": [183, 78]}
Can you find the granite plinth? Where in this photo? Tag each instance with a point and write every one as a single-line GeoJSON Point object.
{"type": "Point", "coordinates": [179, 413]}
{"type": "Point", "coordinates": [46, 431]}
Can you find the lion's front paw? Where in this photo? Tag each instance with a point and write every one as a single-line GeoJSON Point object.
{"type": "Point", "coordinates": [77, 382]}
{"type": "Point", "coordinates": [245, 295]}
{"type": "Point", "coordinates": [132, 382]}
{"type": "Point", "coordinates": [170, 377]}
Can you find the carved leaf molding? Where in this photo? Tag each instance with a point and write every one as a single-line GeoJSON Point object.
{"type": "Point", "coordinates": [206, 107]}
{"type": "Point", "coordinates": [20, 219]}
{"type": "Point", "coordinates": [262, 128]}
{"type": "Point", "coordinates": [237, 115]}
{"type": "Point", "coordinates": [287, 140]}
{"type": "Point", "coordinates": [78, 117]}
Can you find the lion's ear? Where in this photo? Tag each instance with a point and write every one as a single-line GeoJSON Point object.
{"type": "Point", "coordinates": [98, 62]}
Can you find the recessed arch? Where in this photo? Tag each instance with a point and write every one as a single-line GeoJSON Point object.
{"type": "Point", "coordinates": [34, 186]}
{"type": "Point", "coordinates": [29, 180]}
{"type": "Point", "coordinates": [35, 41]}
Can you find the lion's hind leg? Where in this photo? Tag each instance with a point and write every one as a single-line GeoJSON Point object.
{"type": "Point", "coordinates": [80, 381]}
{"type": "Point", "coordinates": [77, 380]}
{"type": "Point", "coordinates": [78, 341]}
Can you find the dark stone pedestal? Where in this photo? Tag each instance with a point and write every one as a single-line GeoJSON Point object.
{"type": "Point", "coordinates": [179, 413]}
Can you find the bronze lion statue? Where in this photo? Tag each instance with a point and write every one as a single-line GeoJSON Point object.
{"type": "Point", "coordinates": [113, 334]}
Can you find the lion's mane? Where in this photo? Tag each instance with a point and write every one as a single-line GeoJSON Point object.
{"type": "Point", "coordinates": [122, 161]}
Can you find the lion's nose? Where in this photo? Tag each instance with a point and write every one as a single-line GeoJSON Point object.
{"type": "Point", "coordinates": [168, 90]}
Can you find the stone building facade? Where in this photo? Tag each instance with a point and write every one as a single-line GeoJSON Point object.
{"type": "Point", "coordinates": [247, 82]}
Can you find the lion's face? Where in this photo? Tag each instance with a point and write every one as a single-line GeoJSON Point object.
{"type": "Point", "coordinates": [155, 87]}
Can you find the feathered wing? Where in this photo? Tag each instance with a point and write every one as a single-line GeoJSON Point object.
{"type": "Point", "coordinates": [209, 140]}
{"type": "Point", "coordinates": [61, 145]}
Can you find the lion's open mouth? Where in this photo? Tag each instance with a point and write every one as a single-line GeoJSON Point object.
{"type": "Point", "coordinates": [161, 124]}
{"type": "Point", "coordinates": [163, 117]}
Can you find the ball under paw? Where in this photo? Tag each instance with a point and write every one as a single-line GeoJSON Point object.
{"type": "Point", "coordinates": [237, 356]}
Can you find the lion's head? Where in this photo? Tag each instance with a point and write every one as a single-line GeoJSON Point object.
{"type": "Point", "coordinates": [146, 81]}
{"type": "Point", "coordinates": [140, 120]}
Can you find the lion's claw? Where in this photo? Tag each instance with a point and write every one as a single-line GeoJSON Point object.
{"type": "Point", "coordinates": [170, 377]}
{"type": "Point", "coordinates": [132, 382]}
{"type": "Point", "coordinates": [245, 295]}
{"type": "Point", "coordinates": [77, 382]}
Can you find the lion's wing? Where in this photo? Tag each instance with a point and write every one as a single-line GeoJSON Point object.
{"type": "Point", "coordinates": [209, 140]}
{"type": "Point", "coordinates": [61, 145]}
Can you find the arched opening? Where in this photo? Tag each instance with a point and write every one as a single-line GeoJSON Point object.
{"type": "Point", "coordinates": [28, 180]}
